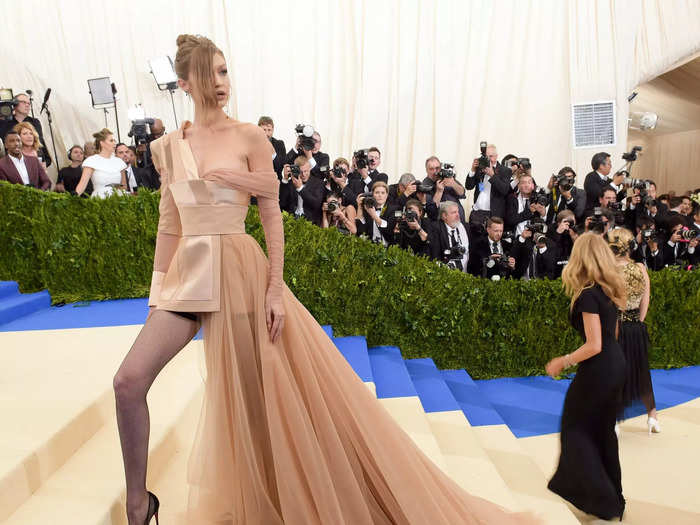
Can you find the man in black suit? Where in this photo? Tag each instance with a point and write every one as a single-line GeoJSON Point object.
{"type": "Point", "coordinates": [20, 169]}
{"type": "Point", "coordinates": [268, 126]}
{"type": "Point", "coordinates": [302, 195]}
{"type": "Point", "coordinates": [600, 177]}
{"type": "Point", "coordinates": [322, 160]}
{"type": "Point", "coordinates": [375, 159]}
{"type": "Point", "coordinates": [519, 210]}
{"type": "Point", "coordinates": [535, 256]}
{"type": "Point", "coordinates": [565, 195]}
{"type": "Point", "coordinates": [648, 242]}
{"type": "Point", "coordinates": [489, 250]}
{"type": "Point", "coordinates": [452, 190]}
{"type": "Point", "coordinates": [491, 186]}
{"type": "Point", "coordinates": [135, 177]}
{"type": "Point", "coordinates": [450, 241]}
{"type": "Point", "coordinates": [361, 179]}
{"type": "Point", "coordinates": [675, 251]}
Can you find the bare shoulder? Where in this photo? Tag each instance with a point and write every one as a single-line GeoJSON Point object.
{"type": "Point", "coordinates": [248, 130]}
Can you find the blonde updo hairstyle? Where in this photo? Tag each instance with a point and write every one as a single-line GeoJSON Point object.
{"type": "Point", "coordinates": [620, 241]}
{"type": "Point", "coordinates": [592, 262]}
{"type": "Point", "coordinates": [100, 136]}
{"type": "Point", "coordinates": [194, 63]}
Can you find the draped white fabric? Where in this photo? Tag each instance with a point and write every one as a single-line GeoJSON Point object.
{"type": "Point", "coordinates": [413, 78]}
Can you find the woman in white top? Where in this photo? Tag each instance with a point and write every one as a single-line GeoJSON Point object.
{"type": "Point", "coordinates": [107, 172]}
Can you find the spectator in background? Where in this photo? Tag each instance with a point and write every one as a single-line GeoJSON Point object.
{"type": "Point", "coordinates": [135, 177]}
{"type": "Point", "coordinates": [301, 194]}
{"type": "Point", "coordinates": [339, 216]}
{"type": "Point", "coordinates": [375, 159]}
{"type": "Point", "coordinates": [490, 253]}
{"type": "Point", "coordinates": [89, 149]}
{"type": "Point", "coordinates": [268, 126]}
{"type": "Point", "coordinates": [451, 189]}
{"type": "Point", "coordinates": [17, 168]}
{"type": "Point", "coordinates": [376, 221]}
{"type": "Point", "coordinates": [31, 144]}
{"type": "Point", "coordinates": [322, 159]}
{"type": "Point", "coordinates": [491, 186]}
{"type": "Point", "coordinates": [69, 177]}
{"type": "Point", "coordinates": [451, 241]}
{"type": "Point", "coordinates": [564, 195]}
{"type": "Point", "coordinates": [414, 230]}
{"type": "Point", "coordinates": [21, 114]}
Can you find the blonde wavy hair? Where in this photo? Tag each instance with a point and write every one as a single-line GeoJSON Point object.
{"type": "Point", "coordinates": [26, 125]}
{"type": "Point", "coordinates": [592, 262]}
{"type": "Point", "coordinates": [620, 241]}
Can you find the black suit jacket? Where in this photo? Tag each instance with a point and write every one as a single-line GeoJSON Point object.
{"type": "Point", "coordinates": [513, 218]}
{"type": "Point", "coordinates": [146, 178]}
{"type": "Point", "coordinates": [557, 203]}
{"type": "Point", "coordinates": [592, 186]}
{"type": "Point", "coordinates": [280, 155]}
{"type": "Point", "coordinates": [322, 161]}
{"type": "Point", "coordinates": [545, 264]}
{"type": "Point", "coordinates": [673, 255]}
{"type": "Point", "coordinates": [311, 194]}
{"type": "Point", "coordinates": [500, 188]}
{"type": "Point", "coordinates": [440, 241]}
{"type": "Point", "coordinates": [387, 232]}
{"type": "Point", "coordinates": [379, 176]}
{"type": "Point", "coordinates": [481, 249]}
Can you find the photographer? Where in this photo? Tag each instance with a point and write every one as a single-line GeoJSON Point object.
{"type": "Point", "coordinates": [451, 189]}
{"type": "Point", "coordinates": [450, 240]}
{"type": "Point", "coordinates": [564, 195]}
{"type": "Point", "coordinates": [413, 229]}
{"type": "Point", "coordinates": [375, 159]}
{"type": "Point", "coordinates": [301, 194]}
{"type": "Point", "coordinates": [491, 183]}
{"type": "Point", "coordinates": [336, 181]}
{"type": "Point", "coordinates": [610, 208]}
{"type": "Point", "coordinates": [135, 177]}
{"type": "Point", "coordinates": [675, 250]}
{"type": "Point", "coordinates": [600, 221]}
{"type": "Point", "coordinates": [375, 219]}
{"type": "Point", "coordinates": [639, 203]}
{"type": "Point", "coordinates": [600, 177]}
{"type": "Point", "coordinates": [360, 180]}
{"type": "Point", "coordinates": [268, 126]}
{"type": "Point", "coordinates": [336, 215]}
{"type": "Point", "coordinates": [534, 253]}
{"type": "Point", "coordinates": [490, 254]}
{"type": "Point", "coordinates": [405, 189]}
{"type": "Point", "coordinates": [524, 205]}
{"type": "Point", "coordinates": [304, 146]}
{"type": "Point", "coordinates": [20, 113]}
{"type": "Point", "coordinates": [693, 249]}
{"type": "Point", "coordinates": [648, 241]}
{"type": "Point", "coordinates": [563, 235]}
{"type": "Point", "coordinates": [320, 158]}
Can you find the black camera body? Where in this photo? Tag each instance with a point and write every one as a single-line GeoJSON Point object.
{"type": "Point", "coordinates": [306, 136]}
{"type": "Point", "coordinates": [361, 158]}
{"type": "Point", "coordinates": [453, 256]}
{"type": "Point", "coordinates": [539, 196]}
{"type": "Point", "coordinates": [500, 264]}
{"type": "Point", "coordinates": [597, 224]}
{"type": "Point", "coordinates": [332, 206]}
{"type": "Point", "coordinates": [446, 171]}
{"type": "Point", "coordinates": [687, 234]}
{"type": "Point", "coordinates": [369, 200]}
{"type": "Point", "coordinates": [536, 226]}
{"type": "Point", "coordinates": [295, 171]}
{"type": "Point", "coordinates": [410, 216]}
{"type": "Point", "coordinates": [632, 155]}
{"type": "Point", "coordinates": [483, 159]}
{"type": "Point", "coordinates": [425, 187]}
{"type": "Point", "coordinates": [564, 182]}
{"type": "Point", "coordinates": [141, 131]}
{"type": "Point", "coordinates": [649, 235]}
{"type": "Point", "coordinates": [524, 163]}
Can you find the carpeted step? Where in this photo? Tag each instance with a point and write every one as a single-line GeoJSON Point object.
{"type": "Point", "coordinates": [397, 394]}
{"type": "Point", "coordinates": [8, 288]}
{"type": "Point", "coordinates": [15, 306]}
{"type": "Point", "coordinates": [354, 350]}
{"type": "Point", "coordinates": [89, 487]}
{"type": "Point", "coordinates": [475, 405]}
{"type": "Point", "coordinates": [328, 329]}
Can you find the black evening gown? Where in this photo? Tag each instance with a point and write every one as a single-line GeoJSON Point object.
{"type": "Point", "coordinates": [589, 473]}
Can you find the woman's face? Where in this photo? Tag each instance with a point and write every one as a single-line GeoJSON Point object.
{"type": "Point", "coordinates": [108, 145]}
{"type": "Point", "coordinates": [380, 195]}
{"type": "Point", "coordinates": [222, 82]}
{"type": "Point", "coordinates": [27, 137]}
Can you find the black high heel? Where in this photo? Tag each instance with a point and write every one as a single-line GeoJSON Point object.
{"type": "Point", "coordinates": [153, 506]}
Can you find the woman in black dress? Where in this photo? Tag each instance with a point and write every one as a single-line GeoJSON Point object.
{"type": "Point", "coordinates": [589, 474]}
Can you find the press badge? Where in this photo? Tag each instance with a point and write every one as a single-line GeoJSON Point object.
{"type": "Point", "coordinates": [481, 187]}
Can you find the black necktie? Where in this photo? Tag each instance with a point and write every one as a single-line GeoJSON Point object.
{"type": "Point", "coordinates": [454, 238]}
{"type": "Point", "coordinates": [495, 248]}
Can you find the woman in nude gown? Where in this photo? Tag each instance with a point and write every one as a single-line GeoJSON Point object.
{"type": "Point", "coordinates": [288, 433]}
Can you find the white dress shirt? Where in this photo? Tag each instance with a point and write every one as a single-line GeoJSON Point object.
{"type": "Point", "coordinates": [21, 168]}
{"type": "Point", "coordinates": [462, 239]}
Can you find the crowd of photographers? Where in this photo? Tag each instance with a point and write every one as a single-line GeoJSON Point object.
{"type": "Point", "coordinates": [514, 229]}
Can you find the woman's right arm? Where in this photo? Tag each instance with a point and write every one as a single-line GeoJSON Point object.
{"type": "Point", "coordinates": [84, 179]}
{"type": "Point", "coordinates": [592, 346]}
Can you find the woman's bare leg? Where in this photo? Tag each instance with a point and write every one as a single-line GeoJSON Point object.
{"type": "Point", "coordinates": [161, 338]}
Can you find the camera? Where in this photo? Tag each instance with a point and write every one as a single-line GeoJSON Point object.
{"type": "Point", "coordinates": [564, 182]}
{"type": "Point", "coordinates": [446, 171]}
{"type": "Point", "coordinates": [425, 187]}
{"type": "Point", "coordinates": [294, 171]}
{"type": "Point", "coordinates": [7, 104]}
{"type": "Point", "coordinates": [616, 208]}
{"type": "Point", "coordinates": [306, 136]}
{"type": "Point", "coordinates": [687, 234]}
{"type": "Point", "coordinates": [454, 256]}
{"type": "Point", "coordinates": [483, 159]}
{"type": "Point", "coordinates": [499, 263]}
{"type": "Point", "coordinates": [369, 201]}
{"type": "Point", "coordinates": [332, 206]}
{"type": "Point", "coordinates": [539, 238]}
{"type": "Point", "coordinates": [536, 226]}
{"type": "Point", "coordinates": [649, 235]}
{"type": "Point", "coordinates": [597, 224]}
{"type": "Point", "coordinates": [632, 155]}
{"type": "Point", "coordinates": [524, 163]}
{"type": "Point", "coordinates": [339, 172]}
{"type": "Point", "coordinates": [361, 159]}
{"type": "Point", "coordinates": [539, 197]}
{"type": "Point", "coordinates": [140, 130]}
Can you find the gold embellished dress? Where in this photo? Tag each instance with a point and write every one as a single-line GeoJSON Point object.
{"type": "Point", "coordinates": [288, 433]}
{"type": "Point", "coordinates": [634, 340]}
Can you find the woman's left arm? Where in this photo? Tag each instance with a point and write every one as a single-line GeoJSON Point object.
{"type": "Point", "coordinates": [260, 160]}
{"type": "Point", "coordinates": [644, 305]}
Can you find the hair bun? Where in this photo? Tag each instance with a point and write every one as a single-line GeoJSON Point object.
{"type": "Point", "coordinates": [187, 39]}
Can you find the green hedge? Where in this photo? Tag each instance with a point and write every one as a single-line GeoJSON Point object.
{"type": "Point", "coordinates": [83, 249]}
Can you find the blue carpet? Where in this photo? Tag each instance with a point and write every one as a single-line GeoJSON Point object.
{"type": "Point", "coordinates": [389, 372]}
{"type": "Point", "coordinates": [354, 350]}
{"type": "Point", "coordinates": [476, 407]}
{"type": "Point", "coordinates": [433, 392]}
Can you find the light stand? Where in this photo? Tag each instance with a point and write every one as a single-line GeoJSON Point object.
{"type": "Point", "coordinates": [31, 100]}
{"type": "Point", "coordinates": [116, 113]}
{"type": "Point", "coordinates": [102, 96]}
{"type": "Point", "coordinates": [164, 74]}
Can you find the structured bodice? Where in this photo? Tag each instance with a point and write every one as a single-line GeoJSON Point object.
{"type": "Point", "coordinates": [208, 208]}
{"type": "Point", "coordinates": [634, 285]}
